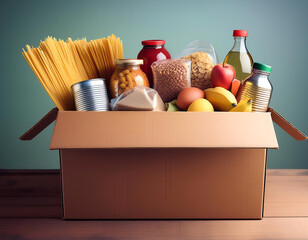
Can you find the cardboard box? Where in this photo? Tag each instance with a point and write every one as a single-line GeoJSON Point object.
{"type": "Point", "coordinates": [162, 165]}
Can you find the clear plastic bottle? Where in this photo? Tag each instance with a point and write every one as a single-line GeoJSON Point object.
{"type": "Point", "coordinates": [239, 57]}
{"type": "Point", "coordinates": [257, 87]}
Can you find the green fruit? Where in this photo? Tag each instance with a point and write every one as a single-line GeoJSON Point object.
{"type": "Point", "coordinates": [172, 107]}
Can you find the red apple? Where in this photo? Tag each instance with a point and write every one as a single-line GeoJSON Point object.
{"type": "Point", "coordinates": [222, 76]}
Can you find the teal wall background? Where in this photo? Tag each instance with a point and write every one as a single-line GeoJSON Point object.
{"type": "Point", "coordinates": [278, 36]}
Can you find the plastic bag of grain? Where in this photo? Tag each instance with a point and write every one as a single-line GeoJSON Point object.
{"type": "Point", "coordinates": [170, 77]}
{"type": "Point", "coordinates": [139, 98]}
{"type": "Point", "coordinates": [203, 58]}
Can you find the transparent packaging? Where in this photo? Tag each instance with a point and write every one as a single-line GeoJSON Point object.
{"type": "Point", "coordinates": [127, 75]}
{"type": "Point", "coordinates": [203, 58]}
{"type": "Point", "coordinates": [138, 99]}
{"type": "Point", "coordinates": [171, 77]}
{"type": "Point", "coordinates": [200, 46]}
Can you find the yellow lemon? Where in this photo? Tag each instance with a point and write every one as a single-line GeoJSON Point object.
{"type": "Point", "coordinates": [200, 105]}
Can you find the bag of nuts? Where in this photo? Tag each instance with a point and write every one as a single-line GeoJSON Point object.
{"type": "Point", "coordinates": [203, 58]}
{"type": "Point", "coordinates": [170, 77]}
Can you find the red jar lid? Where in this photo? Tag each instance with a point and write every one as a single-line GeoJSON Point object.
{"type": "Point", "coordinates": [240, 33]}
{"type": "Point", "coordinates": [153, 42]}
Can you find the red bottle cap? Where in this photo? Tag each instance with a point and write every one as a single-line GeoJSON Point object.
{"type": "Point", "coordinates": [240, 33]}
{"type": "Point", "coordinates": [153, 42]}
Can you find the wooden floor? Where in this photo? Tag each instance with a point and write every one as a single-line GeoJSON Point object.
{"type": "Point", "coordinates": [285, 214]}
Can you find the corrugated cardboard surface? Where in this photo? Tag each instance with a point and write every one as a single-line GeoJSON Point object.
{"type": "Point", "coordinates": [163, 183]}
{"type": "Point", "coordinates": [163, 130]}
{"type": "Point", "coordinates": [43, 123]}
{"type": "Point", "coordinates": [287, 126]}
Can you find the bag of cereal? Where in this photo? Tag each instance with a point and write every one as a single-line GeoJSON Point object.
{"type": "Point", "coordinates": [203, 58]}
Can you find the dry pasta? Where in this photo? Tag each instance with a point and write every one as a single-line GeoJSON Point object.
{"type": "Point", "coordinates": [58, 64]}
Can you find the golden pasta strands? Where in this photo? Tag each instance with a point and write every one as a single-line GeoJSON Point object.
{"type": "Point", "coordinates": [59, 64]}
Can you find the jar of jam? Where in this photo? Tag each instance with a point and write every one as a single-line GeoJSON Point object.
{"type": "Point", "coordinates": [127, 76]}
{"type": "Point", "coordinates": [153, 50]}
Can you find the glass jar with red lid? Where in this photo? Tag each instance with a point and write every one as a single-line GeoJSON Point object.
{"type": "Point", "coordinates": [153, 50]}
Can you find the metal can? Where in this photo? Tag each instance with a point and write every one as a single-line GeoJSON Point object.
{"type": "Point", "coordinates": [257, 87]}
{"type": "Point", "coordinates": [91, 95]}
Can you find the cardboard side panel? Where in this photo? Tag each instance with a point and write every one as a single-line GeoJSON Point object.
{"type": "Point", "coordinates": [40, 125]}
{"type": "Point", "coordinates": [61, 180]}
{"type": "Point", "coordinates": [163, 130]}
{"type": "Point", "coordinates": [265, 169]}
{"type": "Point", "coordinates": [287, 126]}
{"type": "Point", "coordinates": [163, 183]}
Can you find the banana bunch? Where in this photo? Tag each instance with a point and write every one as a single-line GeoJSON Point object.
{"type": "Point", "coordinates": [243, 106]}
{"type": "Point", "coordinates": [224, 100]}
{"type": "Point", "coordinates": [221, 98]}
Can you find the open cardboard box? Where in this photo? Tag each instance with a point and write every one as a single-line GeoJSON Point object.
{"type": "Point", "coordinates": [162, 165]}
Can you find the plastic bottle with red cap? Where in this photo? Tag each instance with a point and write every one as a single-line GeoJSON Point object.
{"type": "Point", "coordinates": [239, 57]}
{"type": "Point", "coordinates": [152, 51]}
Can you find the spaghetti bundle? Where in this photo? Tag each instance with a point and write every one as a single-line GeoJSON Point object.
{"type": "Point", "coordinates": [58, 64]}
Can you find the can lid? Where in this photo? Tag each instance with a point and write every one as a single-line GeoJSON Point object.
{"type": "Point", "coordinates": [262, 67]}
{"type": "Point", "coordinates": [88, 83]}
{"type": "Point", "coordinates": [153, 42]}
{"type": "Point", "coordinates": [240, 33]}
{"type": "Point", "coordinates": [129, 62]}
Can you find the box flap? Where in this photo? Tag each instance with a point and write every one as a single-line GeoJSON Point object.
{"type": "Point", "coordinates": [40, 125]}
{"type": "Point", "coordinates": [287, 126]}
{"type": "Point", "coordinates": [163, 130]}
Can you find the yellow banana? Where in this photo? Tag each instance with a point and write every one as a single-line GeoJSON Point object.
{"type": "Point", "coordinates": [243, 106]}
{"type": "Point", "coordinates": [220, 98]}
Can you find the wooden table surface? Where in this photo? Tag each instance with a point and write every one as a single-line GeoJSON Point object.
{"type": "Point", "coordinates": [36, 198]}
